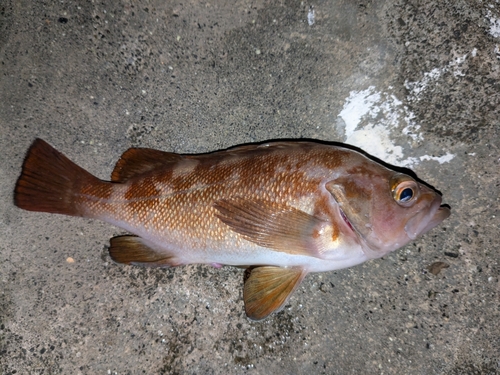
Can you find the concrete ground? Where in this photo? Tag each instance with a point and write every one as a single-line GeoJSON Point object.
{"type": "Point", "coordinates": [414, 83]}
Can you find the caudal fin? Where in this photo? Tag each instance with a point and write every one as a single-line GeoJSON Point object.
{"type": "Point", "coordinates": [50, 182]}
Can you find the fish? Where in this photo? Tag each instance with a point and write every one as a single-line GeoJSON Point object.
{"type": "Point", "coordinates": [281, 210]}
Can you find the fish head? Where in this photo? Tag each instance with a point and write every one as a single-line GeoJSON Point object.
{"type": "Point", "coordinates": [385, 209]}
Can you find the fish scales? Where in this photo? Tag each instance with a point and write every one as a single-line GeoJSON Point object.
{"type": "Point", "coordinates": [184, 203]}
{"type": "Point", "coordinates": [282, 209]}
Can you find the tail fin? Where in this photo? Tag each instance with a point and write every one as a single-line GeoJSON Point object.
{"type": "Point", "coordinates": [49, 181]}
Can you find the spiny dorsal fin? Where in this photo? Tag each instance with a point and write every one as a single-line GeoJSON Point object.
{"type": "Point", "coordinates": [136, 161]}
{"type": "Point", "coordinates": [275, 226]}
{"type": "Point", "coordinates": [138, 252]}
{"type": "Point", "coordinates": [268, 288]}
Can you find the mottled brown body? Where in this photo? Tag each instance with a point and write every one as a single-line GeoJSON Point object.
{"type": "Point", "coordinates": [178, 197]}
{"type": "Point", "coordinates": [283, 208]}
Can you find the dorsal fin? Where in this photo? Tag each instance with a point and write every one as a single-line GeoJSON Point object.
{"type": "Point", "coordinates": [136, 161]}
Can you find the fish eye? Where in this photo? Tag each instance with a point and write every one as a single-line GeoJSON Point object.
{"type": "Point", "coordinates": [405, 192]}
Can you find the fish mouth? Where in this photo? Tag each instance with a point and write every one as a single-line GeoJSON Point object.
{"type": "Point", "coordinates": [346, 220]}
{"type": "Point", "coordinates": [425, 220]}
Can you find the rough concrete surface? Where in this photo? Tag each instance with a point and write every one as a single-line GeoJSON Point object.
{"type": "Point", "coordinates": [418, 79]}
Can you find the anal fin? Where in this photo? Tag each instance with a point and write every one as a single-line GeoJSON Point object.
{"type": "Point", "coordinates": [135, 250]}
{"type": "Point", "coordinates": [267, 289]}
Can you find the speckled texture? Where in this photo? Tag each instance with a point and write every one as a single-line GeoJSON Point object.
{"type": "Point", "coordinates": [96, 78]}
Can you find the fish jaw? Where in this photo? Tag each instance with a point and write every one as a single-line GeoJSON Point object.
{"type": "Point", "coordinates": [426, 220]}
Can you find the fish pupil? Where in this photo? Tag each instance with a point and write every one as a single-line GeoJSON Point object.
{"type": "Point", "coordinates": [406, 195]}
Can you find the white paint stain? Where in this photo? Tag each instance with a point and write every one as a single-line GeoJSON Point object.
{"type": "Point", "coordinates": [358, 105]}
{"type": "Point", "coordinates": [494, 25]}
{"type": "Point", "coordinates": [376, 140]}
{"type": "Point", "coordinates": [441, 159]}
{"type": "Point", "coordinates": [411, 129]}
{"type": "Point", "coordinates": [371, 117]}
{"type": "Point", "coordinates": [418, 87]}
{"type": "Point", "coordinates": [310, 16]}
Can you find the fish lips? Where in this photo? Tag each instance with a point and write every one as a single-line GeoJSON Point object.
{"type": "Point", "coordinates": [427, 219]}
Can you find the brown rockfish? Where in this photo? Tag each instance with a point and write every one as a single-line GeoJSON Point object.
{"type": "Point", "coordinates": [280, 209]}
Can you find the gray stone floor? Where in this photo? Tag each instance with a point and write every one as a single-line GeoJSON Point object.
{"type": "Point", "coordinates": [415, 83]}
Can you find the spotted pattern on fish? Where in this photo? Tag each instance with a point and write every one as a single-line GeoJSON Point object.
{"type": "Point", "coordinates": [282, 209]}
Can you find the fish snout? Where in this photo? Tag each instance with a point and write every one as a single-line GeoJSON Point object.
{"type": "Point", "coordinates": [427, 218]}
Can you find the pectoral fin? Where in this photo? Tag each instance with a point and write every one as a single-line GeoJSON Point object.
{"type": "Point", "coordinates": [268, 288]}
{"type": "Point", "coordinates": [137, 251]}
{"type": "Point", "coordinates": [276, 226]}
